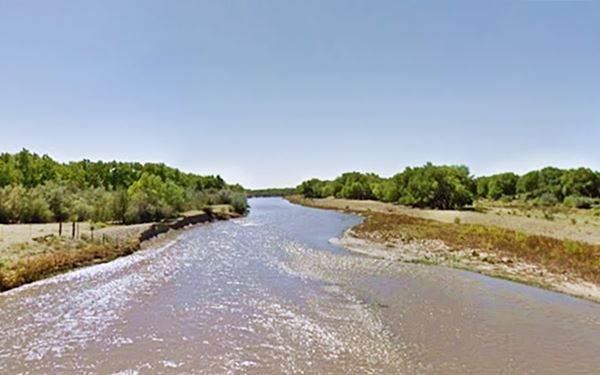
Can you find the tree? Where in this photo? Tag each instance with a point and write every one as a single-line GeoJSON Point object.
{"type": "Point", "coordinates": [37, 189]}
{"type": "Point", "coordinates": [310, 188]}
{"type": "Point", "coordinates": [356, 190]}
{"type": "Point", "coordinates": [356, 185]}
{"type": "Point", "coordinates": [537, 183]}
{"type": "Point", "coordinates": [442, 187]}
{"type": "Point", "coordinates": [57, 197]}
{"type": "Point", "coordinates": [580, 182]}
{"type": "Point", "coordinates": [386, 191]}
{"type": "Point", "coordinates": [330, 189]}
{"type": "Point", "coordinates": [146, 199]}
{"type": "Point", "coordinates": [14, 199]}
{"type": "Point", "coordinates": [120, 204]}
{"type": "Point", "coordinates": [529, 184]}
{"type": "Point", "coordinates": [503, 184]}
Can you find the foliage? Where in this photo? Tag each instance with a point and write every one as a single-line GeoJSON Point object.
{"type": "Point", "coordinates": [442, 187]}
{"type": "Point", "coordinates": [271, 192]}
{"type": "Point", "coordinates": [578, 202]}
{"type": "Point", "coordinates": [580, 182]}
{"type": "Point", "coordinates": [238, 202]}
{"type": "Point", "coordinates": [498, 186]}
{"type": "Point", "coordinates": [447, 187]}
{"type": "Point", "coordinates": [311, 188]}
{"type": "Point", "coordinates": [544, 181]}
{"type": "Point", "coordinates": [36, 188]}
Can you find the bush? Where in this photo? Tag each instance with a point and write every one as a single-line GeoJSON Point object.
{"type": "Point", "coordinates": [547, 200]}
{"type": "Point", "coordinates": [578, 202]}
{"type": "Point", "coordinates": [239, 203]}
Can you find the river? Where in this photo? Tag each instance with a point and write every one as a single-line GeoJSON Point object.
{"type": "Point", "coordinates": [269, 294]}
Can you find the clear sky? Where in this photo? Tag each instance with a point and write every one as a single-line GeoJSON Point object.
{"type": "Point", "coordinates": [268, 93]}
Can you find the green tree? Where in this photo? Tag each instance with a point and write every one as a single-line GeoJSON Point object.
{"type": "Point", "coordinates": [580, 182]}
{"type": "Point", "coordinates": [482, 184]}
{"type": "Point", "coordinates": [120, 205]}
{"type": "Point", "coordinates": [503, 184]}
{"type": "Point", "coordinates": [311, 188]}
{"type": "Point", "coordinates": [442, 187]}
{"type": "Point", "coordinates": [58, 198]}
{"type": "Point", "coordinates": [146, 200]}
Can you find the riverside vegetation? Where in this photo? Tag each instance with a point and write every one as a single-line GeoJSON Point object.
{"type": "Point", "coordinates": [448, 187]}
{"type": "Point", "coordinates": [271, 192]}
{"type": "Point", "coordinates": [486, 244]}
{"type": "Point", "coordinates": [37, 189]}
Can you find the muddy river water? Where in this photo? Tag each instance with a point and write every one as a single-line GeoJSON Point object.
{"type": "Point", "coordinates": [269, 294]}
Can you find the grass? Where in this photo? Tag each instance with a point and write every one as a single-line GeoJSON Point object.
{"type": "Point", "coordinates": [557, 212]}
{"type": "Point", "coordinates": [557, 255]}
{"type": "Point", "coordinates": [53, 255]}
{"type": "Point", "coordinates": [30, 253]}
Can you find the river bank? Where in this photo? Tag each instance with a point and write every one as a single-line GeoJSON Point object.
{"type": "Point", "coordinates": [280, 298]}
{"type": "Point", "coordinates": [560, 263]}
{"type": "Point", "coordinates": [30, 252]}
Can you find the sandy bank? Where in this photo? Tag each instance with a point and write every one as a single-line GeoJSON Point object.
{"type": "Point", "coordinates": [484, 262]}
{"type": "Point", "coordinates": [562, 229]}
{"type": "Point", "coordinates": [410, 235]}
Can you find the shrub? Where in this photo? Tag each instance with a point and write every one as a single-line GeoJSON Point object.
{"type": "Point", "coordinates": [578, 202]}
{"type": "Point", "coordinates": [239, 203]}
{"type": "Point", "coordinates": [547, 200]}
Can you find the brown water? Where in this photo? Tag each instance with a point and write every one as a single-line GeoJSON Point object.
{"type": "Point", "coordinates": [269, 294]}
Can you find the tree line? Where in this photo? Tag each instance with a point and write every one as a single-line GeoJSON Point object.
{"type": "Point", "coordinates": [448, 187]}
{"type": "Point", "coordinates": [38, 189]}
{"type": "Point", "coordinates": [271, 192]}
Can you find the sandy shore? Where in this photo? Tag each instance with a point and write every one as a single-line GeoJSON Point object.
{"type": "Point", "coordinates": [434, 251]}
{"type": "Point", "coordinates": [561, 227]}
{"type": "Point", "coordinates": [484, 262]}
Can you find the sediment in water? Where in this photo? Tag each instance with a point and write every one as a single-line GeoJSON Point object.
{"type": "Point", "coordinates": [66, 254]}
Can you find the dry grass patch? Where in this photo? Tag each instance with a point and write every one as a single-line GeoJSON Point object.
{"type": "Point", "coordinates": [560, 256]}
{"type": "Point", "coordinates": [55, 255]}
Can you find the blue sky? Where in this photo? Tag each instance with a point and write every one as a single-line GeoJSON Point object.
{"type": "Point", "coordinates": [268, 93]}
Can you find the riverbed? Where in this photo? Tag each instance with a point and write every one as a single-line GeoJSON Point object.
{"type": "Point", "coordinates": [270, 293]}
